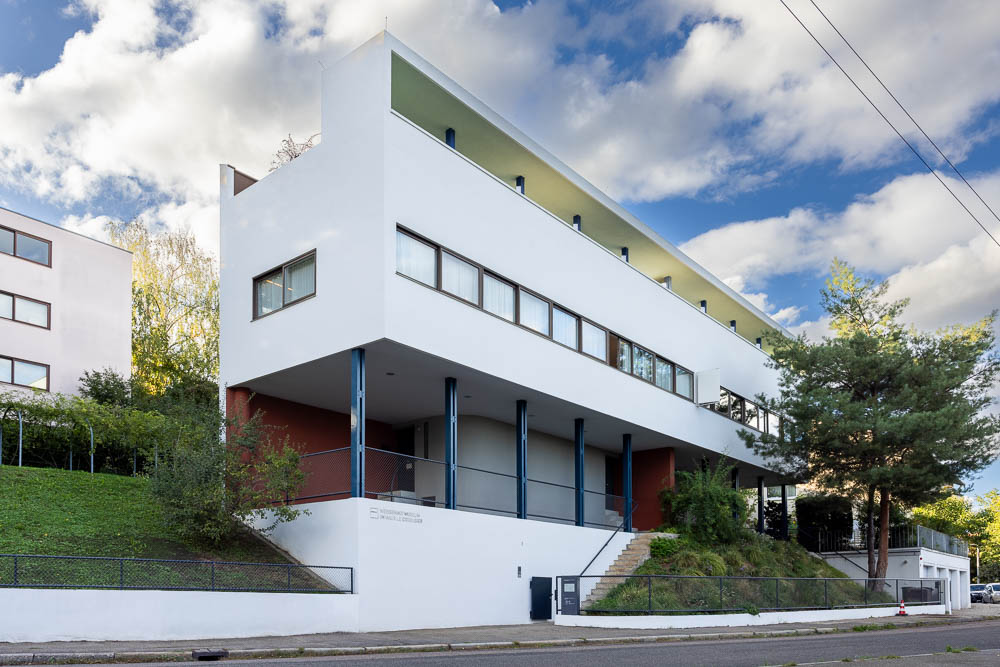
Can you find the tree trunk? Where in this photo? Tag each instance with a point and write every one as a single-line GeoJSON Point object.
{"type": "Point", "coordinates": [870, 522]}
{"type": "Point", "coordinates": [883, 538]}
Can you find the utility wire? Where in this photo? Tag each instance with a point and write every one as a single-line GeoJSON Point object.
{"type": "Point", "coordinates": [889, 123]}
{"type": "Point", "coordinates": [908, 115]}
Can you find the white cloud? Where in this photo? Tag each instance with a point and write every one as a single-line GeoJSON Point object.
{"type": "Point", "coordinates": [137, 104]}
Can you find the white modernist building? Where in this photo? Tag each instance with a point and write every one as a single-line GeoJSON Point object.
{"type": "Point", "coordinates": [487, 361]}
{"type": "Point", "coordinates": [65, 305]}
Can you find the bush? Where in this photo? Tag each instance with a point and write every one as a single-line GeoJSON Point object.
{"type": "Point", "coordinates": [706, 504]}
{"type": "Point", "coordinates": [210, 491]}
{"type": "Point", "coordinates": [773, 520]}
{"type": "Point", "coordinates": [664, 547]}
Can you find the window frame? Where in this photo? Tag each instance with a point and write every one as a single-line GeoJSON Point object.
{"type": "Point", "coordinates": [483, 274]}
{"type": "Point", "coordinates": [607, 340]}
{"type": "Point", "coordinates": [553, 306]}
{"type": "Point", "coordinates": [18, 233]}
{"type": "Point", "coordinates": [14, 360]}
{"type": "Point", "coordinates": [439, 270]}
{"type": "Point", "coordinates": [281, 269]}
{"type": "Point", "coordinates": [13, 310]}
{"type": "Point", "coordinates": [548, 302]}
{"type": "Point", "coordinates": [437, 261]}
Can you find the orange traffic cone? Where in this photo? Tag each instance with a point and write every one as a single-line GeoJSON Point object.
{"type": "Point", "coordinates": [902, 609]}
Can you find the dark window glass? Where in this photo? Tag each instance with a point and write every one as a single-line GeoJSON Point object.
{"type": "Point", "coordinates": [621, 354]}
{"type": "Point", "coordinates": [750, 415]}
{"type": "Point", "coordinates": [736, 408]}
{"type": "Point", "coordinates": [723, 405]}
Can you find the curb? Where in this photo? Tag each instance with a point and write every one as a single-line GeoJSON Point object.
{"type": "Point", "coordinates": [49, 657]}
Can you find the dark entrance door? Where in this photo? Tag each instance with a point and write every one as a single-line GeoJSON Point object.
{"type": "Point", "coordinates": [541, 598]}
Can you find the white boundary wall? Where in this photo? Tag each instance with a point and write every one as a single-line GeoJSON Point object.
{"type": "Point", "coordinates": [429, 567]}
{"type": "Point", "coordinates": [45, 615]}
{"type": "Point", "coordinates": [737, 620]}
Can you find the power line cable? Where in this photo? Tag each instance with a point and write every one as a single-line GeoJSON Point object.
{"type": "Point", "coordinates": [900, 105]}
{"type": "Point", "coordinates": [889, 123]}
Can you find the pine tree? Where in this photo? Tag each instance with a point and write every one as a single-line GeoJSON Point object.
{"type": "Point", "coordinates": [879, 409]}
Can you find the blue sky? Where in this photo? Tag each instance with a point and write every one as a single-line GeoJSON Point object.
{"type": "Point", "coordinates": [717, 122]}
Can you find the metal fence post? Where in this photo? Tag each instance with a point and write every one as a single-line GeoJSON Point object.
{"type": "Point", "coordinates": [20, 437]}
{"type": "Point", "coordinates": [777, 596]}
{"type": "Point", "coordinates": [15, 569]}
{"type": "Point", "coordinates": [866, 591]}
{"type": "Point", "coordinates": [826, 592]}
{"type": "Point", "coordinates": [91, 448]}
{"type": "Point", "coordinates": [213, 575]}
{"type": "Point", "coordinates": [289, 570]}
{"type": "Point", "coordinates": [897, 591]}
{"type": "Point", "coordinates": [121, 573]}
{"type": "Point", "coordinates": [352, 580]}
{"type": "Point", "coordinates": [720, 593]}
{"type": "Point", "coordinates": [649, 585]}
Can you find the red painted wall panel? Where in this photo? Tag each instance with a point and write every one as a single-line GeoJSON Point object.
{"type": "Point", "coordinates": [652, 470]}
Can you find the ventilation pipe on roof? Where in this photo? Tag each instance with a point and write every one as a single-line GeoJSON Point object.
{"type": "Point", "coordinates": [519, 184]}
{"type": "Point", "coordinates": [578, 223]}
{"type": "Point", "coordinates": [732, 325]}
{"type": "Point", "coordinates": [667, 282]}
{"type": "Point", "coordinates": [704, 306]}
{"type": "Point", "coordinates": [759, 346]}
{"type": "Point", "coordinates": [449, 137]}
{"type": "Point", "coordinates": [625, 253]}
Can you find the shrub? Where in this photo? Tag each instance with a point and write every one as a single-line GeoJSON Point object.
{"type": "Point", "coordinates": [707, 505]}
{"type": "Point", "coordinates": [664, 547]}
{"type": "Point", "coordinates": [212, 490]}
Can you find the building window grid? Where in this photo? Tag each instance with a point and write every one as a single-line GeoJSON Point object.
{"type": "Point", "coordinates": [13, 250]}
{"type": "Point", "coordinates": [746, 412]}
{"type": "Point", "coordinates": [9, 367]}
{"type": "Point", "coordinates": [625, 347]}
{"type": "Point", "coordinates": [13, 299]}
{"type": "Point", "coordinates": [285, 274]}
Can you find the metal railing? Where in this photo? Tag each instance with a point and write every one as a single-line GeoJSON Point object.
{"type": "Point", "coordinates": [403, 478]}
{"type": "Point", "coordinates": [36, 571]}
{"type": "Point", "coordinates": [900, 537]}
{"type": "Point", "coordinates": [678, 594]}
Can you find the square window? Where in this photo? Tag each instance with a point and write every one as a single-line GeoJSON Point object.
{"type": "Point", "coordinates": [460, 278]}
{"type": "Point", "coordinates": [498, 297]}
{"type": "Point", "coordinates": [664, 374]}
{"type": "Point", "coordinates": [300, 279]}
{"type": "Point", "coordinates": [534, 312]}
{"type": "Point", "coordinates": [416, 259]}
{"type": "Point", "coordinates": [28, 374]}
{"type": "Point", "coordinates": [564, 327]}
{"type": "Point", "coordinates": [6, 366]}
{"type": "Point", "coordinates": [7, 241]}
{"type": "Point", "coordinates": [6, 306]}
{"type": "Point", "coordinates": [31, 312]}
{"type": "Point", "coordinates": [269, 289]}
{"type": "Point", "coordinates": [642, 363]}
{"type": "Point", "coordinates": [621, 354]}
{"type": "Point", "coordinates": [595, 341]}
{"type": "Point", "coordinates": [32, 249]}
{"type": "Point", "coordinates": [685, 383]}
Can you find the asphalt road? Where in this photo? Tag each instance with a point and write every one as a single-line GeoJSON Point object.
{"type": "Point", "coordinates": [910, 646]}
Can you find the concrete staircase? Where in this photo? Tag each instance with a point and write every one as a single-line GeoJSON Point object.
{"type": "Point", "coordinates": [634, 555]}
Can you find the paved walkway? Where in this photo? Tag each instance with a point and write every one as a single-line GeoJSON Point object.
{"type": "Point", "coordinates": [534, 634]}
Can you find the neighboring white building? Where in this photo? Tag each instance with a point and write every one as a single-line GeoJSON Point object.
{"type": "Point", "coordinates": [65, 305]}
{"type": "Point", "coordinates": [446, 316]}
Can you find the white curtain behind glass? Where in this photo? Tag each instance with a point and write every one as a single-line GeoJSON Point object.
{"type": "Point", "coordinates": [269, 293]}
{"type": "Point", "coordinates": [459, 278]}
{"type": "Point", "coordinates": [415, 259]}
{"type": "Point", "coordinates": [595, 341]}
{"type": "Point", "coordinates": [564, 328]}
{"type": "Point", "coordinates": [498, 297]}
{"type": "Point", "coordinates": [300, 279]}
{"type": "Point", "coordinates": [31, 312]}
{"type": "Point", "coordinates": [534, 313]}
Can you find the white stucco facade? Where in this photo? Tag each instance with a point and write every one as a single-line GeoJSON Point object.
{"type": "Point", "coordinates": [86, 286]}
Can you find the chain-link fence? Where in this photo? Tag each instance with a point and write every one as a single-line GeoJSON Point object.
{"type": "Point", "coordinates": [676, 594]}
{"type": "Point", "coordinates": [32, 571]}
{"type": "Point", "coordinates": [328, 475]}
{"type": "Point", "coordinates": [401, 478]}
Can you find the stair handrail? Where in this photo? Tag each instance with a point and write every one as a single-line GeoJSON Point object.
{"type": "Point", "coordinates": [625, 518]}
{"type": "Point", "coordinates": [820, 545]}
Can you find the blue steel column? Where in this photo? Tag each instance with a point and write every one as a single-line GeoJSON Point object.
{"type": "Point", "coordinates": [522, 459]}
{"type": "Point", "coordinates": [627, 480]}
{"type": "Point", "coordinates": [578, 441]}
{"type": "Point", "coordinates": [450, 441]}
{"type": "Point", "coordinates": [358, 422]}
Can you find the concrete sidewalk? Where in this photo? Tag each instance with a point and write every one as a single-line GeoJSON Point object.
{"type": "Point", "coordinates": [508, 636]}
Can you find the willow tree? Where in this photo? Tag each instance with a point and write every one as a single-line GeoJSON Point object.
{"type": "Point", "coordinates": [175, 307]}
{"type": "Point", "coordinates": [881, 409]}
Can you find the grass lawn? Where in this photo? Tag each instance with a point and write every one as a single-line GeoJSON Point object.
{"type": "Point", "coordinates": [47, 511]}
